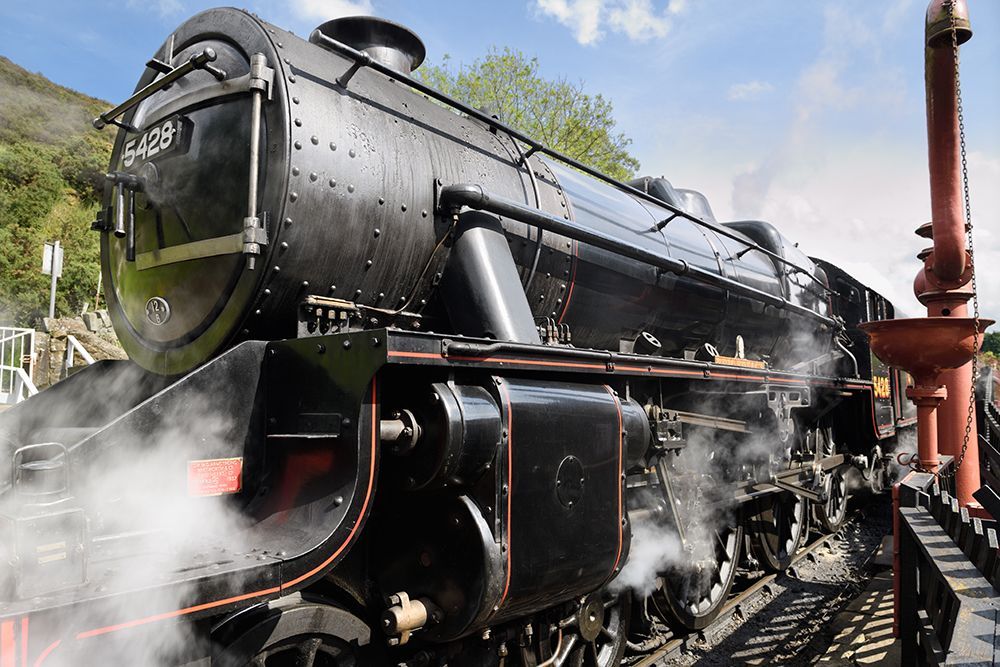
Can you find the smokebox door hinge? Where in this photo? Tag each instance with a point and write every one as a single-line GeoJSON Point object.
{"type": "Point", "coordinates": [254, 236]}
{"type": "Point", "coordinates": [261, 76]}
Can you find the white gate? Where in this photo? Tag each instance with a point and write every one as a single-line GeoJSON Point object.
{"type": "Point", "coordinates": [17, 364]}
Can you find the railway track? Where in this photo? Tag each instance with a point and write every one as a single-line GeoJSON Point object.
{"type": "Point", "coordinates": [737, 605]}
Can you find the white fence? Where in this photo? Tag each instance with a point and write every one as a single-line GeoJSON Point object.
{"type": "Point", "coordinates": [17, 364]}
{"type": "Point", "coordinates": [74, 348]}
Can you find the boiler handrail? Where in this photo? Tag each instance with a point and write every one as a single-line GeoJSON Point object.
{"type": "Point", "coordinates": [362, 59]}
{"type": "Point", "coordinates": [475, 197]}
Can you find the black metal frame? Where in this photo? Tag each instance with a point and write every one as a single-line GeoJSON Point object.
{"type": "Point", "coordinates": [335, 373]}
{"type": "Point", "coordinates": [989, 441]}
{"type": "Point", "coordinates": [949, 569]}
{"type": "Point", "coordinates": [261, 385]}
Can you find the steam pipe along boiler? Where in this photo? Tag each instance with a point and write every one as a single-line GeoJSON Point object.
{"type": "Point", "coordinates": [405, 384]}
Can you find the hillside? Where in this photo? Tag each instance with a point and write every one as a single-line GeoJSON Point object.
{"type": "Point", "coordinates": [51, 174]}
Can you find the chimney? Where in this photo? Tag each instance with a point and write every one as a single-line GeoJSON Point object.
{"type": "Point", "coordinates": [388, 43]}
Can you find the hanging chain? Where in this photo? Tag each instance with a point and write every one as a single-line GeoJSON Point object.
{"type": "Point", "coordinates": [912, 460]}
{"type": "Point", "coordinates": [971, 415]}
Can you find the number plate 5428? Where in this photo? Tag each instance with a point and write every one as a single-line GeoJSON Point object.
{"type": "Point", "coordinates": [165, 137]}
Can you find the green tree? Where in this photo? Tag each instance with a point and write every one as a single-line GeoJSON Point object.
{"type": "Point", "coordinates": [991, 343]}
{"type": "Point", "coordinates": [52, 166]}
{"type": "Point", "coordinates": [558, 113]}
{"type": "Point", "coordinates": [36, 205]}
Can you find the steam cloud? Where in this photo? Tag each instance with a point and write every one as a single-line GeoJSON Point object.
{"type": "Point", "coordinates": [708, 458]}
{"type": "Point", "coordinates": [135, 498]}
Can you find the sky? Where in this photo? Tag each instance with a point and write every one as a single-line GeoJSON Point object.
{"type": "Point", "coordinates": [807, 114]}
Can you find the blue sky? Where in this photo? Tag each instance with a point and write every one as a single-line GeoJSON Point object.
{"type": "Point", "coordinates": [808, 114]}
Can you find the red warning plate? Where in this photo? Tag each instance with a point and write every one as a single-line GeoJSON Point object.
{"type": "Point", "coordinates": [215, 477]}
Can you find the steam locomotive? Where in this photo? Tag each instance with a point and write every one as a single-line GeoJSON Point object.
{"type": "Point", "coordinates": [407, 386]}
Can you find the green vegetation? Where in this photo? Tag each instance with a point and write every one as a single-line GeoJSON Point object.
{"type": "Point", "coordinates": [51, 174]}
{"type": "Point", "coordinates": [991, 343]}
{"type": "Point", "coordinates": [557, 113]}
{"type": "Point", "coordinates": [989, 351]}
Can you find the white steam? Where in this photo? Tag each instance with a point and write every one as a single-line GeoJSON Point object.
{"type": "Point", "coordinates": [146, 532]}
{"type": "Point", "coordinates": [655, 548]}
{"type": "Point", "coordinates": [705, 505]}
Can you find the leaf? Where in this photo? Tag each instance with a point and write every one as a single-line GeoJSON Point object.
{"type": "Point", "coordinates": [559, 113]}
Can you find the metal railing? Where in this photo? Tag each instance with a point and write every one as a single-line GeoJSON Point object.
{"type": "Point", "coordinates": [949, 571]}
{"type": "Point", "coordinates": [73, 347]}
{"type": "Point", "coordinates": [989, 442]}
{"type": "Point", "coordinates": [17, 364]}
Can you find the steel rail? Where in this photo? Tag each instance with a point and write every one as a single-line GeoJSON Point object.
{"type": "Point", "coordinates": [733, 605]}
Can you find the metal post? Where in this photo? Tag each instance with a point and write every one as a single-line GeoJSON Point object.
{"type": "Point", "coordinates": [254, 229]}
{"type": "Point", "coordinates": [927, 399]}
{"type": "Point", "coordinates": [908, 628]}
{"type": "Point", "coordinates": [3, 356]}
{"type": "Point", "coordinates": [52, 286]}
{"type": "Point", "coordinates": [97, 294]}
{"type": "Point", "coordinates": [255, 106]}
{"type": "Point", "coordinates": [944, 282]}
{"type": "Point", "coordinates": [896, 572]}
{"type": "Point", "coordinates": [952, 416]}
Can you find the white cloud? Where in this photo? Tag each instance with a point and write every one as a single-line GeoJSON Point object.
{"type": "Point", "coordinates": [324, 10]}
{"type": "Point", "coordinates": [848, 209]}
{"type": "Point", "coordinates": [821, 87]}
{"type": "Point", "coordinates": [583, 17]}
{"type": "Point", "coordinates": [897, 14]}
{"type": "Point", "coordinates": [749, 90]}
{"type": "Point", "coordinates": [639, 20]}
{"type": "Point", "coordinates": [840, 179]}
{"type": "Point", "coordinates": [162, 7]}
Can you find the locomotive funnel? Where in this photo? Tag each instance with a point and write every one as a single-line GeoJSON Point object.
{"type": "Point", "coordinates": [388, 43]}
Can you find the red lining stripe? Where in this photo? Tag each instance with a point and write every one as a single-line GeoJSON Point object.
{"type": "Point", "coordinates": [527, 362]}
{"type": "Point", "coordinates": [277, 589]}
{"type": "Point", "coordinates": [572, 284]}
{"type": "Point", "coordinates": [648, 370]}
{"type": "Point", "coordinates": [173, 614]}
{"type": "Point", "coordinates": [8, 649]}
{"type": "Point", "coordinates": [510, 485]}
{"type": "Point", "coordinates": [364, 506]}
{"type": "Point", "coordinates": [618, 478]}
{"type": "Point", "coordinates": [24, 642]}
{"type": "Point", "coordinates": [45, 654]}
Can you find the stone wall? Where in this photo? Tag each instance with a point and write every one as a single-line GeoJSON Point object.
{"type": "Point", "coordinates": [92, 330]}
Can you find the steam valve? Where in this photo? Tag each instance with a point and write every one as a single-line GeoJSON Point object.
{"type": "Point", "coordinates": [126, 185]}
